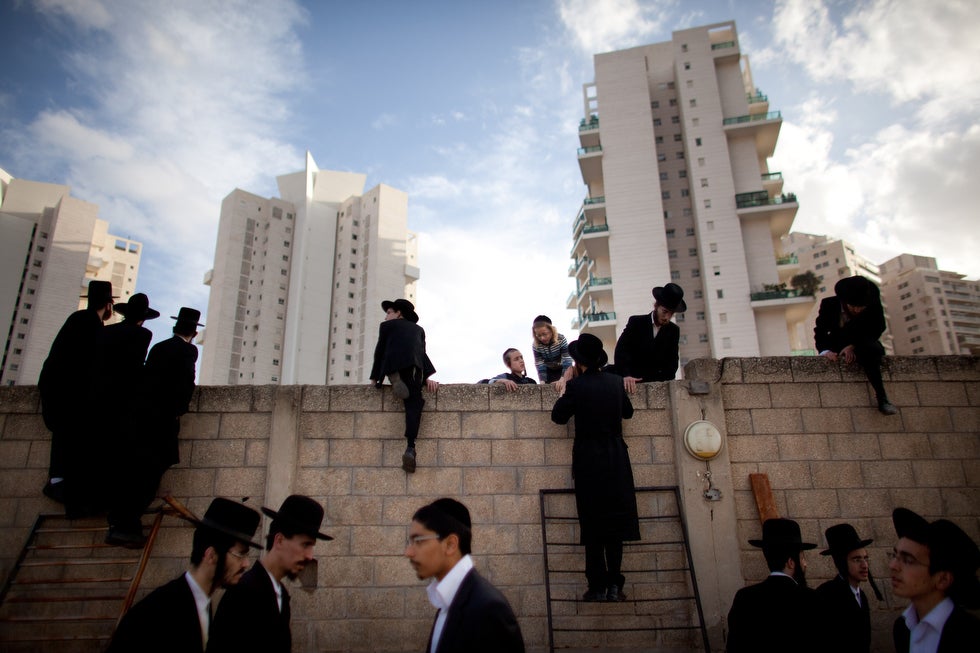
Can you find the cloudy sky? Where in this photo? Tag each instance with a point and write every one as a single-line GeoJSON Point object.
{"type": "Point", "coordinates": [157, 110]}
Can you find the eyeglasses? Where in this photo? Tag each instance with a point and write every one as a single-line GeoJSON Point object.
{"type": "Point", "coordinates": [236, 554]}
{"type": "Point", "coordinates": [413, 540]}
{"type": "Point", "coordinates": [904, 559]}
{"type": "Point", "coordinates": [860, 559]}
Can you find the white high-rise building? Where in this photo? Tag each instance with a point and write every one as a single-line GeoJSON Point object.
{"type": "Point", "coordinates": [298, 280]}
{"type": "Point", "coordinates": [51, 246]}
{"type": "Point", "coordinates": [674, 151]}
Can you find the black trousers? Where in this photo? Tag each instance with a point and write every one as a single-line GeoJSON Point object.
{"type": "Point", "coordinates": [412, 377]}
{"type": "Point", "coordinates": [603, 562]}
{"type": "Point", "coordinates": [869, 354]}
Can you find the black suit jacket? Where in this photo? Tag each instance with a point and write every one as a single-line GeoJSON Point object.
{"type": "Point", "coordinates": [401, 344]}
{"type": "Point", "coordinates": [641, 355]}
{"type": "Point", "coordinates": [773, 616]}
{"type": "Point", "coordinates": [66, 376]}
{"type": "Point", "coordinates": [168, 380]}
{"type": "Point", "coordinates": [961, 634]}
{"type": "Point", "coordinates": [864, 328]}
{"type": "Point", "coordinates": [120, 352]}
{"type": "Point", "coordinates": [248, 617]}
{"type": "Point", "coordinates": [163, 622]}
{"type": "Point", "coordinates": [480, 620]}
{"type": "Point", "coordinates": [845, 625]}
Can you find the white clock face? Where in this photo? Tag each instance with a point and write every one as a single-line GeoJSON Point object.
{"type": "Point", "coordinates": [702, 439]}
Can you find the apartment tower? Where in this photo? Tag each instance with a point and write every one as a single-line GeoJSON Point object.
{"type": "Point", "coordinates": [51, 246]}
{"type": "Point", "coordinates": [298, 280]}
{"type": "Point", "coordinates": [674, 149]}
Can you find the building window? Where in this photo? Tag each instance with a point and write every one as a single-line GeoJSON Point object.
{"type": "Point", "coordinates": [707, 204]}
{"type": "Point", "coordinates": [661, 157]}
{"type": "Point", "coordinates": [673, 102]}
{"type": "Point", "coordinates": [350, 310]}
{"type": "Point", "coordinates": [692, 251]}
{"type": "Point", "coordinates": [700, 315]}
{"type": "Point", "coordinates": [275, 361]}
{"type": "Point", "coordinates": [721, 293]}
{"type": "Point", "coordinates": [713, 247]}
{"type": "Point", "coordinates": [697, 141]}
{"type": "Point", "coordinates": [657, 122]}
{"type": "Point", "coordinates": [670, 233]}
{"type": "Point", "coordinates": [675, 120]}
{"type": "Point", "coordinates": [658, 140]}
{"type": "Point", "coordinates": [687, 65]}
{"type": "Point", "coordinates": [693, 102]}
{"type": "Point", "coordinates": [726, 343]}
{"type": "Point", "coordinates": [704, 182]}
{"type": "Point", "coordinates": [695, 122]}
{"type": "Point", "coordinates": [663, 176]}
{"type": "Point", "coordinates": [677, 138]}
{"type": "Point", "coordinates": [717, 272]}
{"type": "Point", "coordinates": [282, 272]}
{"type": "Point", "coordinates": [695, 273]}
{"type": "Point", "coordinates": [723, 318]}
{"type": "Point", "coordinates": [702, 337]}
{"type": "Point", "coordinates": [685, 192]}
{"type": "Point", "coordinates": [675, 275]}
{"type": "Point", "coordinates": [353, 266]}
{"type": "Point", "coordinates": [672, 253]}
{"type": "Point", "coordinates": [655, 104]}
{"type": "Point", "coordinates": [679, 155]}
{"type": "Point", "coordinates": [665, 195]}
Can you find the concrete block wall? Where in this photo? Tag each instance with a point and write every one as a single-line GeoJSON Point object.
{"type": "Point", "coordinates": [808, 424]}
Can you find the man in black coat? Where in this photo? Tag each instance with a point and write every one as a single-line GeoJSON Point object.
{"type": "Point", "coordinates": [516, 374]}
{"type": "Point", "coordinates": [254, 614]}
{"type": "Point", "coordinates": [844, 613]}
{"type": "Point", "coordinates": [473, 616]}
{"type": "Point", "coordinates": [65, 385]}
{"type": "Point", "coordinates": [776, 615]}
{"type": "Point", "coordinates": [400, 356]}
{"type": "Point", "coordinates": [647, 349]}
{"type": "Point", "coordinates": [151, 443]}
{"type": "Point", "coordinates": [604, 492]}
{"type": "Point", "coordinates": [177, 616]}
{"type": "Point", "coordinates": [934, 566]}
{"type": "Point", "coordinates": [848, 327]}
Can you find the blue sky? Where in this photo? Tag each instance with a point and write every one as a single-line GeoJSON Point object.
{"type": "Point", "coordinates": [157, 110]}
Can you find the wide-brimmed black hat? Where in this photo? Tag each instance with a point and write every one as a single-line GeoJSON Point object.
{"type": "Point", "coordinates": [187, 316]}
{"type": "Point", "coordinates": [299, 514]}
{"type": "Point", "coordinates": [137, 308]}
{"type": "Point", "coordinates": [856, 291]}
{"type": "Point", "coordinates": [403, 306]}
{"type": "Point", "coordinates": [99, 292]}
{"type": "Point", "coordinates": [780, 532]}
{"type": "Point", "coordinates": [842, 539]}
{"type": "Point", "coordinates": [670, 297]}
{"type": "Point", "coordinates": [950, 549]}
{"type": "Point", "coordinates": [233, 519]}
{"type": "Point", "coordinates": [588, 351]}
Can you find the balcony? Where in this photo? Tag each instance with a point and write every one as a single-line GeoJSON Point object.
{"type": "Point", "coordinates": [791, 259]}
{"type": "Point", "coordinates": [761, 198]}
{"type": "Point", "coordinates": [591, 240]}
{"type": "Point", "coordinates": [590, 124]}
{"type": "Point", "coordinates": [764, 127]}
{"type": "Point", "coordinates": [596, 319]}
{"type": "Point", "coordinates": [208, 276]}
{"type": "Point", "coordinates": [723, 45]}
{"type": "Point", "coordinates": [772, 176]}
{"type": "Point", "coordinates": [779, 211]}
{"type": "Point", "coordinates": [752, 117]}
{"type": "Point", "coordinates": [588, 201]}
{"type": "Point", "coordinates": [590, 163]}
{"type": "Point", "coordinates": [757, 98]}
{"type": "Point", "coordinates": [769, 293]}
{"type": "Point", "coordinates": [588, 132]}
{"type": "Point", "coordinates": [772, 182]}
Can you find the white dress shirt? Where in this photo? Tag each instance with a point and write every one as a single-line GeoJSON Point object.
{"type": "Point", "coordinates": [442, 592]}
{"type": "Point", "coordinates": [926, 632]}
{"type": "Point", "coordinates": [277, 586]}
{"type": "Point", "coordinates": [203, 603]}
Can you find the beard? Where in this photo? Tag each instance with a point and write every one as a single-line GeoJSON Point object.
{"type": "Point", "coordinates": [799, 575]}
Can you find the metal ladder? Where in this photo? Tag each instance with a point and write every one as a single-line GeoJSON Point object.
{"type": "Point", "coordinates": [663, 608]}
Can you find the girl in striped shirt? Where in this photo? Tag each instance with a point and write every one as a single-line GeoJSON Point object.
{"type": "Point", "coordinates": [550, 349]}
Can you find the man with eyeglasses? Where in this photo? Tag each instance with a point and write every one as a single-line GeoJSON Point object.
{"type": "Point", "coordinates": [934, 565]}
{"type": "Point", "coordinates": [473, 616]}
{"type": "Point", "coordinates": [843, 607]}
{"type": "Point", "coordinates": [177, 616]}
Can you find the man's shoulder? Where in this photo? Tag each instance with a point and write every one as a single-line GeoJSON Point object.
{"type": "Point", "coordinates": [639, 320]}
{"type": "Point", "coordinates": [481, 591]}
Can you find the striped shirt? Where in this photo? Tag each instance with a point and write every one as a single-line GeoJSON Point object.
{"type": "Point", "coordinates": [554, 356]}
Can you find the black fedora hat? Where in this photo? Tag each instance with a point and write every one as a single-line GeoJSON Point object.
{"type": "Point", "coordinates": [779, 532]}
{"type": "Point", "coordinates": [588, 351]}
{"type": "Point", "coordinates": [403, 306]}
{"type": "Point", "coordinates": [299, 514]}
{"type": "Point", "coordinates": [950, 549]}
{"type": "Point", "coordinates": [99, 292]}
{"type": "Point", "coordinates": [856, 291]}
{"type": "Point", "coordinates": [137, 308]}
{"type": "Point", "coordinates": [233, 519]}
{"type": "Point", "coordinates": [188, 316]}
{"type": "Point", "coordinates": [670, 297]}
{"type": "Point", "coordinates": [842, 539]}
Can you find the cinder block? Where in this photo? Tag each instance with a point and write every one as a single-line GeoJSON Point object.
{"type": "Point", "coordinates": [836, 474]}
{"type": "Point", "coordinates": [662, 448]}
{"type": "Point", "coordinates": [794, 395]}
{"type": "Point", "coordinates": [399, 636]}
{"type": "Point", "coordinates": [955, 445]}
{"type": "Point", "coordinates": [533, 479]}
{"type": "Point", "coordinates": [657, 397]}
{"type": "Point", "coordinates": [496, 539]}
{"type": "Point", "coordinates": [966, 419]}
{"type": "Point", "coordinates": [326, 425]}
{"type": "Point", "coordinates": [20, 399]}
{"type": "Point", "coordinates": [904, 445]}
{"type": "Point", "coordinates": [738, 422]}
{"type": "Point", "coordinates": [390, 570]}
{"type": "Point", "coordinates": [961, 501]}
{"type": "Point", "coordinates": [904, 394]}
{"type": "Point", "coordinates": [558, 452]}
{"type": "Point", "coordinates": [398, 510]}
{"type": "Point", "coordinates": [320, 482]}
{"type": "Point", "coordinates": [811, 446]}
{"type": "Point", "coordinates": [529, 539]}
{"type": "Point", "coordinates": [816, 504]}
{"type": "Point", "coordinates": [488, 425]}
{"type": "Point", "coordinates": [188, 482]}
{"type": "Point", "coordinates": [439, 425]}
{"type": "Point", "coordinates": [257, 453]}
{"type": "Point", "coordinates": [518, 452]}
{"type": "Point", "coordinates": [648, 422]}
{"type": "Point", "coordinates": [525, 397]}
{"type": "Point", "coordinates": [224, 399]}
{"type": "Point", "coordinates": [942, 393]}
{"type": "Point", "coordinates": [263, 397]}
{"type": "Point", "coordinates": [814, 369]}
{"type": "Point", "coordinates": [439, 481]}
{"type": "Point", "coordinates": [14, 453]}
{"type": "Point", "coordinates": [771, 369]}
{"type": "Point", "coordinates": [731, 370]}
{"type": "Point", "coordinates": [218, 453]}
{"type": "Point", "coordinates": [379, 481]}
{"type": "Point", "coordinates": [887, 473]}
{"type": "Point", "coordinates": [753, 448]}
{"type": "Point", "coordinates": [463, 453]}
{"type": "Point", "coordinates": [516, 509]}
{"type": "Point", "coordinates": [925, 501]}
{"type": "Point", "coordinates": [746, 396]}
{"type": "Point", "coordinates": [865, 503]}
{"type": "Point", "coordinates": [508, 570]}
{"type": "Point", "coordinates": [352, 510]}
{"type": "Point", "coordinates": [24, 427]}
{"type": "Point", "coordinates": [345, 398]}
{"type": "Point", "coordinates": [788, 475]}
{"type": "Point", "coordinates": [316, 398]}
{"type": "Point", "coordinates": [538, 425]}
{"type": "Point", "coordinates": [384, 540]}
{"type": "Point", "coordinates": [40, 454]}
{"type": "Point", "coordinates": [869, 420]}
{"type": "Point", "coordinates": [740, 474]}
{"type": "Point", "coordinates": [489, 481]}
{"type": "Point", "coordinates": [199, 426]}
{"type": "Point", "coordinates": [464, 397]}
{"type": "Point", "coordinates": [640, 449]}
{"type": "Point", "coordinates": [653, 475]}
{"type": "Point", "coordinates": [704, 369]}
{"type": "Point", "coordinates": [314, 453]}
{"type": "Point", "coordinates": [958, 368]}
{"type": "Point", "coordinates": [827, 420]}
{"type": "Point", "coordinates": [854, 446]}
{"type": "Point", "coordinates": [380, 425]}
{"type": "Point", "coordinates": [245, 425]}
{"type": "Point", "coordinates": [910, 368]}
{"type": "Point", "coordinates": [360, 453]}
{"type": "Point", "coordinates": [938, 473]}
{"type": "Point", "coordinates": [240, 482]}
{"type": "Point", "coordinates": [834, 395]}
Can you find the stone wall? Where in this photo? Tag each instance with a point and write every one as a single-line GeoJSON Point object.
{"type": "Point", "coordinates": [808, 424]}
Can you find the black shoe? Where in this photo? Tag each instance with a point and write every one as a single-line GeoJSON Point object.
{"type": "Point", "coordinates": [887, 408]}
{"type": "Point", "coordinates": [615, 594]}
{"type": "Point", "coordinates": [408, 460]}
{"type": "Point", "coordinates": [594, 596]}
{"type": "Point", "coordinates": [55, 491]}
{"type": "Point", "coordinates": [126, 539]}
{"type": "Point", "coordinates": [398, 387]}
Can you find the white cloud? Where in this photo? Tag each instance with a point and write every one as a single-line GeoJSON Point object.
{"type": "Point", "coordinates": [90, 14]}
{"type": "Point", "coordinates": [604, 25]}
{"type": "Point", "coordinates": [384, 121]}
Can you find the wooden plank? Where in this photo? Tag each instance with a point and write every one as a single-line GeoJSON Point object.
{"type": "Point", "coordinates": [763, 497]}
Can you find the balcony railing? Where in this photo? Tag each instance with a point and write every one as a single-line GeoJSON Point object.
{"type": "Point", "coordinates": [785, 293]}
{"type": "Point", "coordinates": [594, 200]}
{"type": "Point", "coordinates": [772, 176]}
{"type": "Point", "coordinates": [593, 228]}
{"type": "Point", "coordinates": [772, 115]}
{"type": "Point", "coordinates": [599, 316]}
{"type": "Point", "coordinates": [589, 150]}
{"type": "Point", "coordinates": [761, 198]}
{"type": "Point", "coordinates": [757, 97]}
{"type": "Point", "coordinates": [599, 281]}
{"type": "Point", "coordinates": [788, 260]}
{"type": "Point", "coordinates": [591, 123]}
{"type": "Point", "coordinates": [723, 45]}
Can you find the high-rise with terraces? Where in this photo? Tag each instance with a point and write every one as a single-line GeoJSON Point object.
{"type": "Point", "coordinates": [674, 155]}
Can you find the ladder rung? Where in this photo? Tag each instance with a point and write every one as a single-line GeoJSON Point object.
{"type": "Point", "coordinates": [56, 547]}
{"type": "Point", "coordinates": [623, 630]}
{"type": "Point", "coordinates": [58, 618]}
{"type": "Point", "coordinates": [77, 562]}
{"type": "Point", "coordinates": [68, 638]}
{"type": "Point", "coordinates": [71, 581]}
{"type": "Point", "coordinates": [63, 599]}
{"type": "Point", "coordinates": [75, 529]}
{"type": "Point", "coordinates": [672, 598]}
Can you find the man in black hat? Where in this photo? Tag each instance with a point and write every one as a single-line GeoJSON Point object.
{"type": "Point", "coordinates": [473, 617]}
{"type": "Point", "coordinates": [604, 492]}
{"type": "Point", "coordinates": [151, 446]}
{"type": "Point", "coordinates": [647, 349]}
{"type": "Point", "coordinates": [254, 614]}
{"type": "Point", "coordinates": [65, 385]}
{"type": "Point", "coordinates": [177, 616]}
{"type": "Point", "coordinates": [934, 566]}
{"type": "Point", "coordinates": [516, 374]}
{"type": "Point", "coordinates": [845, 615]}
{"type": "Point", "coordinates": [848, 327]}
{"type": "Point", "coordinates": [400, 355]}
{"type": "Point", "coordinates": [775, 615]}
